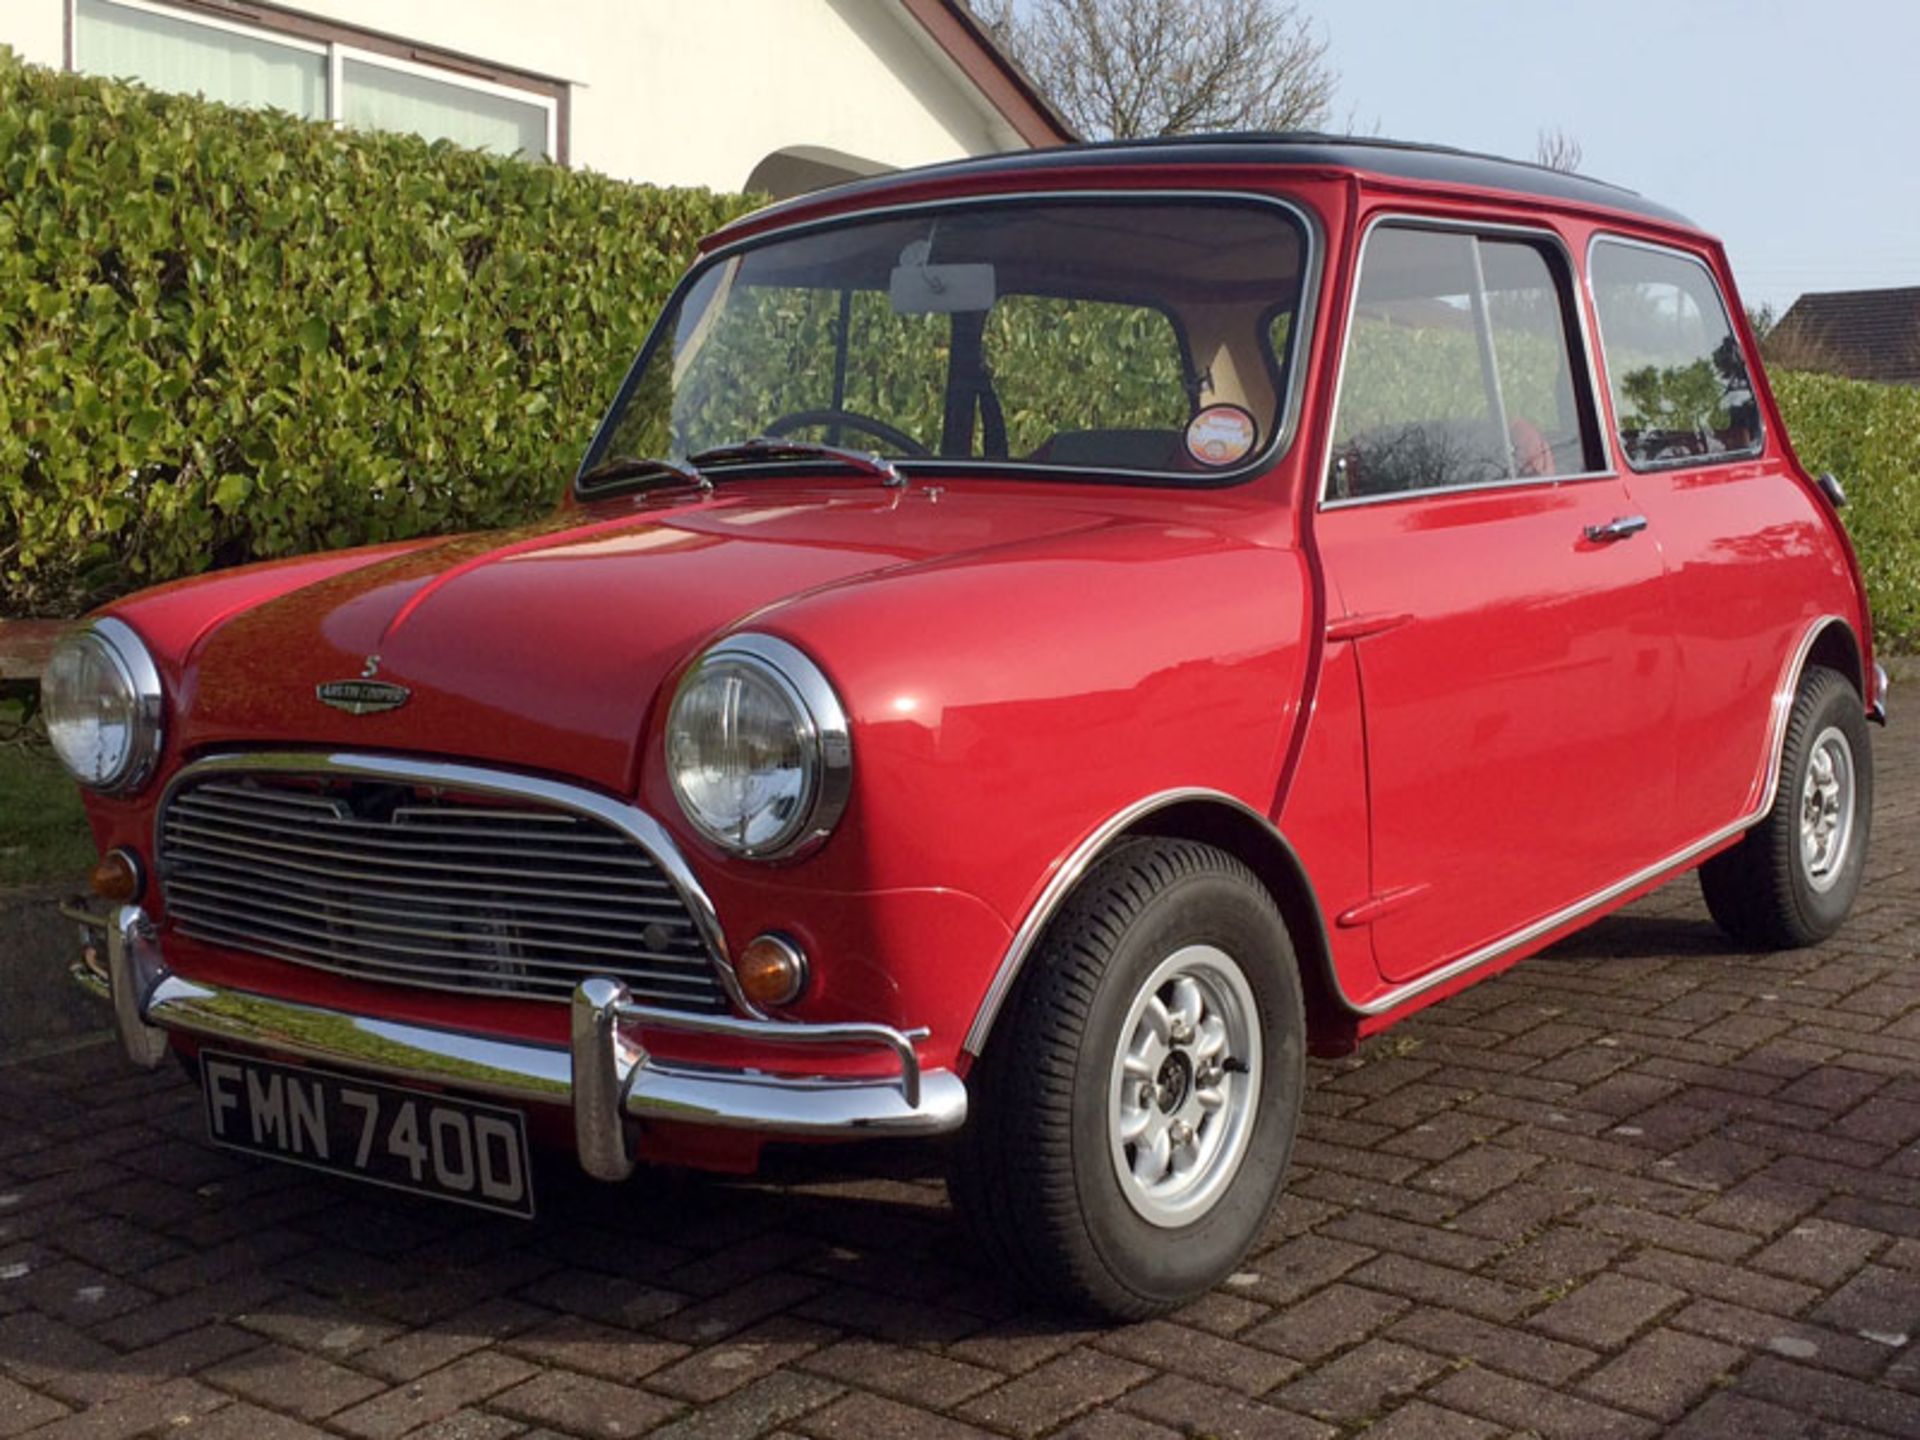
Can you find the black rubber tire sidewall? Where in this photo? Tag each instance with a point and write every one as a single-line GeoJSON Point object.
{"type": "Point", "coordinates": [1758, 891]}
{"type": "Point", "coordinates": [1832, 703]}
{"type": "Point", "coordinates": [1032, 1173]}
{"type": "Point", "coordinates": [1166, 1266]}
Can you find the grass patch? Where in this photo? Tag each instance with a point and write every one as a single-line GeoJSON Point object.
{"type": "Point", "coordinates": [43, 830]}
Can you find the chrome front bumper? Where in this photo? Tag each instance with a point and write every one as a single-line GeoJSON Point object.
{"type": "Point", "coordinates": [605, 1074]}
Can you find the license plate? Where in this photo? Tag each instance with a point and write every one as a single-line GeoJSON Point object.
{"type": "Point", "coordinates": [411, 1140]}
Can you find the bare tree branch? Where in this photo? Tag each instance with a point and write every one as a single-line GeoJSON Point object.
{"type": "Point", "coordinates": [1126, 68]}
{"type": "Point", "coordinates": [1557, 150]}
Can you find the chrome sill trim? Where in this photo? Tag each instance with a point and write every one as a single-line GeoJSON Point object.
{"type": "Point", "coordinates": [1395, 997]}
{"type": "Point", "coordinates": [1061, 884]}
{"type": "Point", "coordinates": [636, 824]}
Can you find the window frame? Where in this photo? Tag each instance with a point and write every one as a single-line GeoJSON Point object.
{"type": "Point", "coordinates": [1292, 400]}
{"type": "Point", "coordinates": [339, 43]}
{"type": "Point", "coordinates": [1615, 440]}
{"type": "Point", "coordinates": [1589, 397]}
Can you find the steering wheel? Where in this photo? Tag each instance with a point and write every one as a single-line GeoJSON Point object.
{"type": "Point", "coordinates": [852, 419]}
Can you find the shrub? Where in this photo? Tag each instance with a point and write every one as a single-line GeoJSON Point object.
{"type": "Point", "coordinates": [230, 335]}
{"type": "Point", "coordinates": [1869, 436]}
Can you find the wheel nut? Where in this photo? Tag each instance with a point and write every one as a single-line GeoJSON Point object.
{"type": "Point", "coordinates": [1180, 1132]}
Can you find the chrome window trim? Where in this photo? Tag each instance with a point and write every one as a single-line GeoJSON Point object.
{"type": "Point", "coordinates": [1454, 225]}
{"type": "Point", "coordinates": [1687, 462]}
{"type": "Point", "coordinates": [1299, 338]}
{"type": "Point", "coordinates": [1479, 487]}
{"type": "Point", "coordinates": [828, 730]}
{"type": "Point", "coordinates": [129, 654]}
{"type": "Point", "coordinates": [636, 824]}
{"type": "Point", "coordinates": [1057, 888]}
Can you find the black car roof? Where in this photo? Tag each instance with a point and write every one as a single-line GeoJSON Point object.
{"type": "Point", "coordinates": [1437, 164]}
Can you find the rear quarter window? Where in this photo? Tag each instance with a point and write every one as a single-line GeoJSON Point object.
{"type": "Point", "coordinates": [1681, 391]}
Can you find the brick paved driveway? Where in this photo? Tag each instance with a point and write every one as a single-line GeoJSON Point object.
{"type": "Point", "coordinates": [1641, 1183]}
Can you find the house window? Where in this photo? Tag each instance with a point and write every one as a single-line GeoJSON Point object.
{"type": "Point", "coordinates": [317, 71]}
{"type": "Point", "coordinates": [221, 62]}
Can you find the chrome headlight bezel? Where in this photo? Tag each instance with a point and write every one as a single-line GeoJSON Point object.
{"type": "Point", "coordinates": [820, 729]}
{"type": "Point", "coordinates": [120, 647]}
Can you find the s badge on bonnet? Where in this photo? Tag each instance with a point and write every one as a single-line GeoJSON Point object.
{"type": "Point", "coordinates": [362, 697]}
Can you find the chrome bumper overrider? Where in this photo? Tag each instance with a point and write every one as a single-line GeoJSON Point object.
{"type": "Point", "coordinates": [604, 1075]}
{"type": "Point", "coordinates": [1877, 711]}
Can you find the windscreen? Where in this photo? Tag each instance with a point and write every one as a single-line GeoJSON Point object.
{"type": "Point", "coordinates": [1149, 337]}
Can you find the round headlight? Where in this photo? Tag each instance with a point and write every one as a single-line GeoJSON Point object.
{"type": "Point", "coordinates": [101, 699]}
{"type": "Point", "coordinates": [757, 748]}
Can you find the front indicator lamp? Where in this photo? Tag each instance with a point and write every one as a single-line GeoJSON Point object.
{"type": "Point", "coordinates": [772, 971]}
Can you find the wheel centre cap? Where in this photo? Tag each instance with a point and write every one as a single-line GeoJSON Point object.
{"type": "Point", "coordinates": [1173, 1082]}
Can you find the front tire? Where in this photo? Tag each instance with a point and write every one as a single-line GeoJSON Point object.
{"type": "Point", "coordinates": [1792, 879]}
{"type": "Point", "coordinates": [1130, 1123]}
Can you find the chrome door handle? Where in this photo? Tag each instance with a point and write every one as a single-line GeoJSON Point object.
{"type": "Point", "coordinates": [1618, 528]}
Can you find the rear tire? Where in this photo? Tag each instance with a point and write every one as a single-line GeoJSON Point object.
{"type": "Point", "coordinates": [1130, 1122]}
{"type": "Point", "coordinates": [1793, 877]}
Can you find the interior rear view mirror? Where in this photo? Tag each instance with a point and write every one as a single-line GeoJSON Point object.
{"type": "Point", "coordinates": [918, 288]}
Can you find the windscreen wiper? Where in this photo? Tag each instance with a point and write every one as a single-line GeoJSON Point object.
{"type": "Point", "coordinates": [637, 468]}
{"type": "Point", "coordinates": [775, 449]}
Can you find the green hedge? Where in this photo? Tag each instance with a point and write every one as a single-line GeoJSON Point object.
{"type": "Point", "coordinates": [228, 335]}
{"type": "Point", "coordinates": [1869, 436]}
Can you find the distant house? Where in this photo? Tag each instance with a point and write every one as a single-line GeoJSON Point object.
{"type": "Point", "coordinates": [778, 96]}
{"type": "Point", "coordinates": [1865, 334]}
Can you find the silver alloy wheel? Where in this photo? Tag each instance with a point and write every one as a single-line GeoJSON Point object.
{"type": "Point", "coordinates": [1826, 808]}
{"type": "Point", "coordinates": [1184, 1086]}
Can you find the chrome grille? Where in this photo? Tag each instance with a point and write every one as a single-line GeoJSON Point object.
{"type": "Point", "coordinates": [385, 882]}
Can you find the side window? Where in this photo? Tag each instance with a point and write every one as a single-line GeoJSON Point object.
{"type": "Point", "coordinates": [1461, 368]}
{"type": "Point", "coordinates": [1093, 375]}
{"type": "Point", "coordinates": [1679, 381]}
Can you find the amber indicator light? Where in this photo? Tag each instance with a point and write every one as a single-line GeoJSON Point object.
{"type": "Point", "coordinates": [116, 877]}
{"type": "Point", "coordinates": [772, 970]}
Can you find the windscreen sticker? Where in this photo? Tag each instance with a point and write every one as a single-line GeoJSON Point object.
{"type": "Point", "coordinates": [1221, 435]}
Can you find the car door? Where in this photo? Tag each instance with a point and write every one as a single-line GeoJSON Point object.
{"type": "Point", "coordinates": [1515, 660]}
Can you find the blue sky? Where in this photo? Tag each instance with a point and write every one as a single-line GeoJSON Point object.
{"type": "Point", "coordinates": [1790, 128]}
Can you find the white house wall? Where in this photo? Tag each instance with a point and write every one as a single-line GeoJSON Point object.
{"type": "Point", "coordinates": [684, 92]}
{"type": "Point", "coordinates": [36, 29]}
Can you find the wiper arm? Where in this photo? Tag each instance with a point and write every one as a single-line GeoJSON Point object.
{"type": "Point", "coordinates": [642, 467]}
{"type": "Point", "coordinates": [777, 448]}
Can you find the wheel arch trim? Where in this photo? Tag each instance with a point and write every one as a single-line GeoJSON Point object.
{"type": "Point", "coordinates": [1315, 967]}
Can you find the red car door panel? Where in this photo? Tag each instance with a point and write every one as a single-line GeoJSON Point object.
{"type": "Point", "coordinates": [1524, 708]}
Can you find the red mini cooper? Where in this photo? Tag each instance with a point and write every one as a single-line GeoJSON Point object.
{"type": "Point", "coordinates": [1036, 646]}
